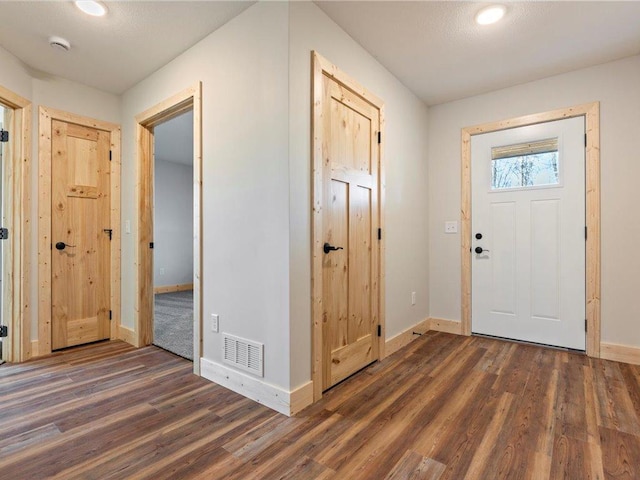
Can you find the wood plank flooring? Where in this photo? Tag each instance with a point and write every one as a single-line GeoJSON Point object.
{"type": "Point", "coordinates": [444, 407]}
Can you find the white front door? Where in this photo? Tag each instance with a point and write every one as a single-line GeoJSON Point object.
{"type": "Point", "coordinates": [528, 233]}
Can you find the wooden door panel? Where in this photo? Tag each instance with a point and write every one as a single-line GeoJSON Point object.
{"type": "Point", "coordinates": [351, 358]}
{"type": "Point", "coordinates": [80, 273]}
{"type": "Point", "coordinates": [351, 131]}
{"type": "Point", "coordinates": [335, 269]}
{"type": "Point", "coordinates": [360, 257]}
{"type": "Point", "coordinates": [350, 179]}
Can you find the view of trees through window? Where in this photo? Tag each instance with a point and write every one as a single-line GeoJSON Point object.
{"type": "Point", "coordinates": [525, 171]}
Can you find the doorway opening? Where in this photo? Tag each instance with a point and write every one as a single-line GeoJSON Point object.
{"type": "Point", "coordinates": [183, 107]}
{"type": "Point", "coordinates": [173, 235]}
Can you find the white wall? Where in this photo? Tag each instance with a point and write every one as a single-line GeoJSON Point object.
{"type": "Point", "coordinates": [172, 223]}
{"type": "Point", "coordinates": [14, 74]}
{"type": "Point", "coordinates": [405, 159]}
{"type": "Point", "coordinates": [61, 94]}
{"type": "Point", "coordinates": [617, 86]}
{"type": "Point", "coordinates": [243, 68]}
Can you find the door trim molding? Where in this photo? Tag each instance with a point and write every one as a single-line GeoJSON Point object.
{"type": "Point", "coordinates": [16, 272]}
{"type": "Point", "coordinates": [190, 98]}
{"type": "Point", "coordinates": [591, 112]}
{"type": "Point", "coordinates": [46, 116]}
{"type": "Point", "coordinates": [321, 66]}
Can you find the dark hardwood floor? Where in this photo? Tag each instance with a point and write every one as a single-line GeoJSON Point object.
{"type": "Point", "coordinates": [444, 407]}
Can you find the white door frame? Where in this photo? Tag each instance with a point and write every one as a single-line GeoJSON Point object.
{"type": "Point", "coordinates": [591, 113]}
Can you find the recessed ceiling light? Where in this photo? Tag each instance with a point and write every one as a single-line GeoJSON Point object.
{"type": "Point", "coordinates": [91, 7]}
{"type": "Point", "coordinates": [489, 15]}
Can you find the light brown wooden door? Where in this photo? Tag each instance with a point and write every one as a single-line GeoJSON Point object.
{"type": "Point", "coordinates": [350, 223]}
{"type": "Point", "coordinates": [80, 223]}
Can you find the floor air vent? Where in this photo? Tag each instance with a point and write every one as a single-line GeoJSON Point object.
{"type": "Point", "coordinates": [243, 354]}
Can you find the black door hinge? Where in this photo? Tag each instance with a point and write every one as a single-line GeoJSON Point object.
{"type": "Point", "coordinates": [585, 324]}
{"type": "Point", "coordinates": [4, 331]}
{"type": "Point", "coordinates": [379, 137]}
{"type": "Point", "coordinates": [379, 234]}
{"type": "Point", "coordinates": [110, 155]}
{"type": "Point", "coordinates": [110, 315]}
{"type": "Point", "coordinates": [4, 233]}
{"type": "Point", "coordinates": [379, 330]}
{"type": "Point", "coordinates": [150, 244]}
{"type": "Point", "coordinates": [585, 233]}
{"type": "Point", "coordinates": [585, 139]}
{"type": "Point", "coordinates": [4, 136]}
{"type": "Point", "coordinates": [108, 231]}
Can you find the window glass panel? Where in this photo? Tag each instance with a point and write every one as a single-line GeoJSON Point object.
{"type": "Point", "coordinates": [531, 168]}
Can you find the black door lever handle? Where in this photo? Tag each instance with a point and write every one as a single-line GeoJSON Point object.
{"type": "Point", "coordinates": [61, 245]}
{"type": "Point", "coordinates": [329, 248]}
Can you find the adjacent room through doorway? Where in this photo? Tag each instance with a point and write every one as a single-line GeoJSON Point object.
{"type": "Point", "coordinates": [173, 235]}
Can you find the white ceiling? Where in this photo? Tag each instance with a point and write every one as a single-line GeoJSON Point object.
{"type": "Point", "coordinates": [114, 52]}
{"type": "Point", "coordinates": [173, 140]}
{"type": "Point", "coordinates": [437, 50]}
{"type": "Point", "coordinates": [434, 48]}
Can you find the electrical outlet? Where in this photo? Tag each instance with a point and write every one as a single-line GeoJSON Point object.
{"type": "Point", "coordinates": [215, 322]}
{"type": "Point", "coordinates": [413, 298]}
{"type": "Point", "coordinates": [451, 227]}
{"type": "Point", "coordinates": [127, 226]}
{"type": "Point", "coordinates": [162, 271]}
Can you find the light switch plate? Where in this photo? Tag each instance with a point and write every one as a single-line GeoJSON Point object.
{"type": "Point", "coordinates": [215, 322]}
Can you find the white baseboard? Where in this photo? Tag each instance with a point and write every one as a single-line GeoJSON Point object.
{"type": "Point", "coordinates": [250, 387]}
{"type": "Point", "coordinates": [620, 353]}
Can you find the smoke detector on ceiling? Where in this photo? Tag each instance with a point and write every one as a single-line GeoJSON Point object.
{"type": "Point", "coordinates": [59, 43]}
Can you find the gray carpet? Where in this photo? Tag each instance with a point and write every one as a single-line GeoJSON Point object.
{"type": "Point", "coordinates": [173, 323]}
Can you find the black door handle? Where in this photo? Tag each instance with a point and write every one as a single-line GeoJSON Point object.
{"type": "Point", "coordinates": [61, 245]}
{"type": "Point", "coordinates": [479, 250]}
{"type": "Point", "coordinates": [329, 248]}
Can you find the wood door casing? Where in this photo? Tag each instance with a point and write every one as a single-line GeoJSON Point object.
{"type": "Point", "coordinates": [591, 114]}
{"type": "Point", "coordinates": [80, 214]}
{"type": "Point", "coordinates": [350, 179]}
